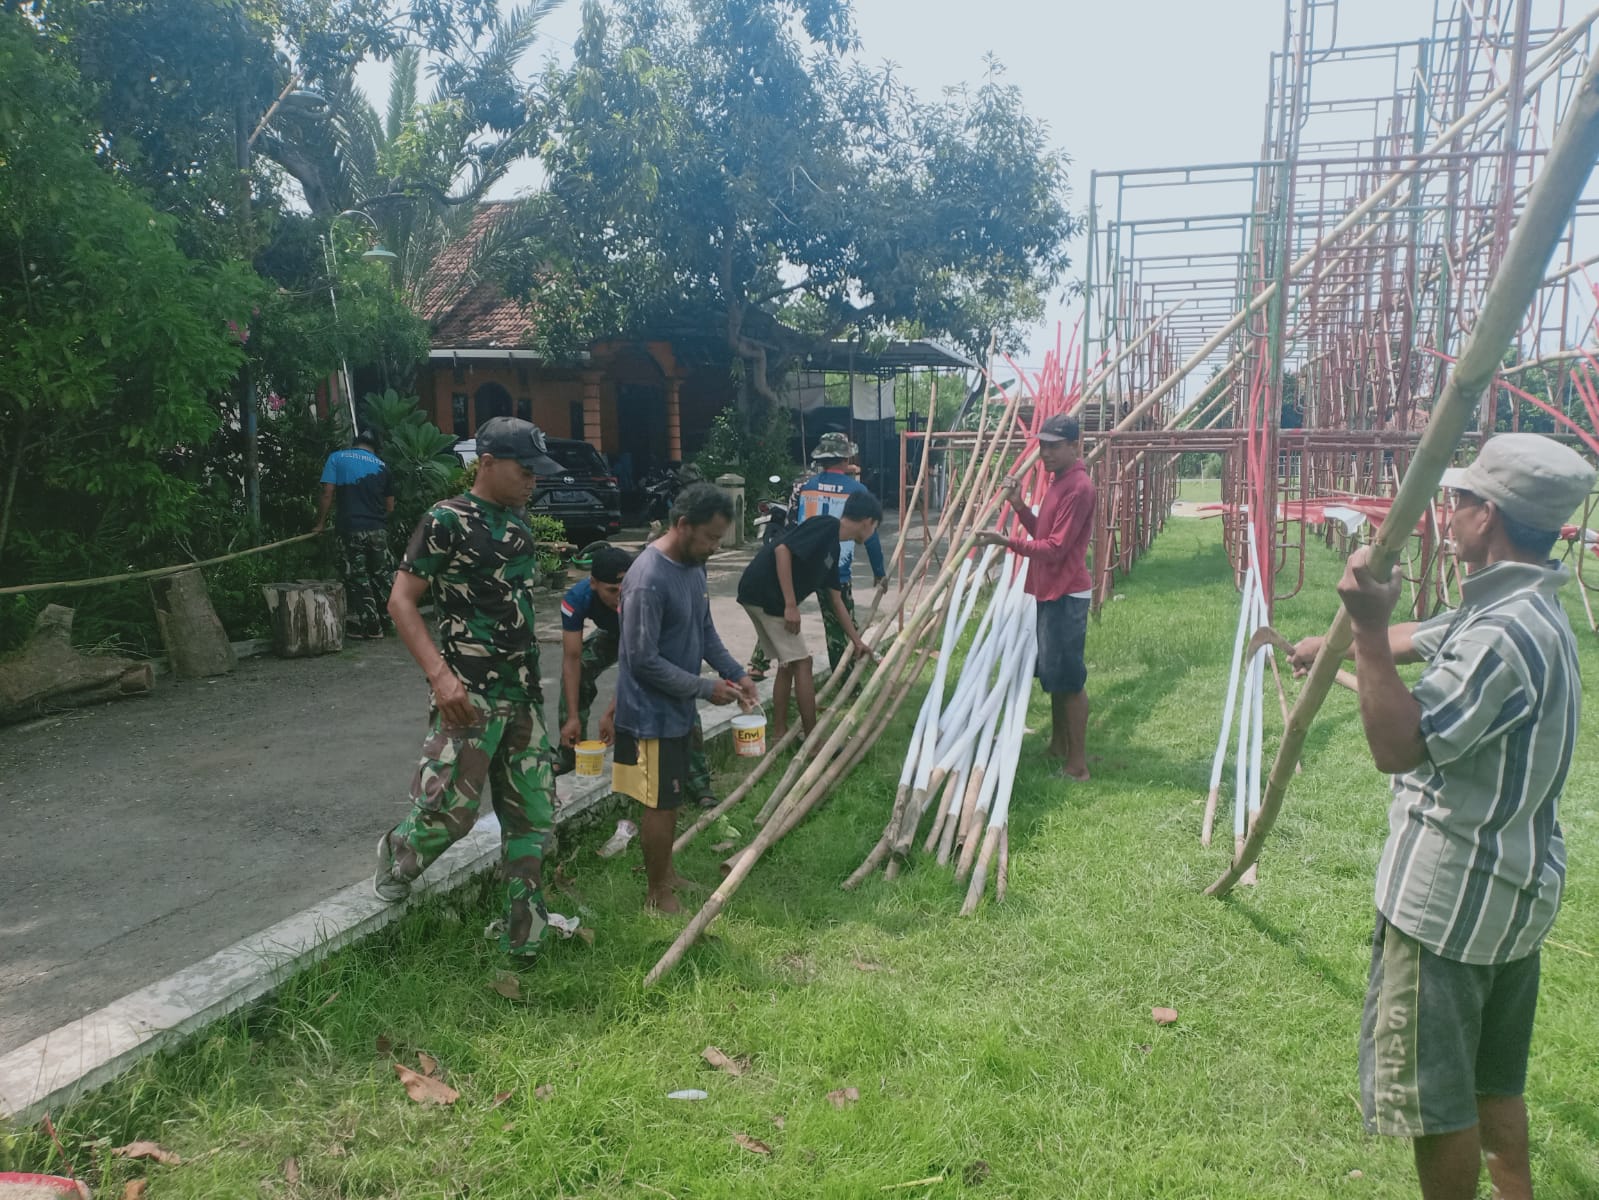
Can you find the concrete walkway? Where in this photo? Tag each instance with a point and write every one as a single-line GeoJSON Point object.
{"type": "Point", "coordinates": [149, 835]}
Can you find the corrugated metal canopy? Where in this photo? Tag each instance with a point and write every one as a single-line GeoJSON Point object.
{"type": "Point", "coordinates": [892, 359]}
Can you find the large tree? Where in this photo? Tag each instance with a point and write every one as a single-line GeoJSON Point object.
{"type": "Point", "coordinates": [733, 157]}
{"type": "Point", "coordinates": [115, 340]}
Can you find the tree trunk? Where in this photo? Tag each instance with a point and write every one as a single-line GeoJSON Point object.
{"type": "Point", "coordinates": [307, 617]}
{"type": "Point", "coordinates": [196, 643]}
{"type": "Point", "coordinates": [48, 673]}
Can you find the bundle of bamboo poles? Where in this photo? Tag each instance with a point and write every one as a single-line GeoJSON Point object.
{"type": "Point", "coordinates": [939, 592]}
{"type": "Point", "coordinates": [857, 704]}
{"type": "Point", "coordinates": [961, 761]}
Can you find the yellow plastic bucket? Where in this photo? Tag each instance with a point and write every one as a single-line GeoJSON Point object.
{"type": "Point", "coordinates": [749, 735]}
{"type": "Point", "coordinates": [590, 758]}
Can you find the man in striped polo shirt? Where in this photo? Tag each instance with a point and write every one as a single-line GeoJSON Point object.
{"type": "Point", "coordinates": [1471, 874]}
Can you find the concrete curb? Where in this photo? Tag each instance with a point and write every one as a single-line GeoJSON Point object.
{"type": "Point", "coordinates": [59, 1066]}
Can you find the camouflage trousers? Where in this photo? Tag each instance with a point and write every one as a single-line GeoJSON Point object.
{"type": "Point", "coordinates": [507, 748]}
{"type": "Point", "coordinates": [368, 576]}
{"type": "Point", "coordinates": [837, 639]}
{"type": "Point", "coordinates": [599, 655]}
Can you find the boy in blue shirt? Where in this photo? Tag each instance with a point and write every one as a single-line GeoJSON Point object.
{"type": "Point", "coordinates": [592, 600]}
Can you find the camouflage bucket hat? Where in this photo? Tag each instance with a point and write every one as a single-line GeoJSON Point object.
{"type": "Point", "coordinates": [835, 445]}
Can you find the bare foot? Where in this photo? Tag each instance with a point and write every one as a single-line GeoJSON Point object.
{"type": "Point", "coordinates": [1080, 775]}
{"type": "Point", "coordinates": [662, 903]}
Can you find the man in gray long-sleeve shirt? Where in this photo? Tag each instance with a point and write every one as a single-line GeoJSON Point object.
{"type": "Point", "coordinates": [666, 634]}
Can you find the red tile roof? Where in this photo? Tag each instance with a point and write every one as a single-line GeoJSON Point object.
{"type": "Point", "coordinates": [465, 310]}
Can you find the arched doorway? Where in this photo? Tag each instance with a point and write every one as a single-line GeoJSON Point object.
{"type": "Point", "coordinates": [640, 409]}
{"type": "Point", "coordinates": [491, 400]}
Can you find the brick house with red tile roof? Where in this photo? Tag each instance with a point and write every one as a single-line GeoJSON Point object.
{"type": "Point", "coordinates": [652, 400]}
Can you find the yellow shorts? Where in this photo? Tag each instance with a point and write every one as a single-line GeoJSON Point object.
{"type": "Point", "coordinates": [653, 771]}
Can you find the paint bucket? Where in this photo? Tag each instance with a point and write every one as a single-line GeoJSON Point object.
{"type": "Point", "coordinates": [749, 735]}
{"type": "Point", "coordinates": [590, 758]}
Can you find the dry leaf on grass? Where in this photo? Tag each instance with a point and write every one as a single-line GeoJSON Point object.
{"type": "Point", "coordinates": [587, 934]}
{"type": "Point", "coordinates": [423, 1089]}
{"type": "Point", "coordinates": [753, 1145]}
{"type": "Point", "coordinates": [543, 1092]}
{"type": "Point", "coordinates": [507, 985]}
{"type": "Point", "coordinates": [844, 1097]}
{"type": "Point", "coordinates": [329, 1000]}
{"type": "Point", "coordinates": [148, 1150]}
{"type": "Point", "coordinates": [779, 1120]}
{"type": "Point", "coordinates": [291, 1170]}
{"type": "Point", "coordinates": [429, 1064]}
{"type": "Point", "coordinates": [507, 1127]}
{"type": "Point", "coordinates": [384, 1044]}
{"type": "Point", "coordinates": [722, 847]}
{"type": "Point", "coordinates": [733, 1066]}
{"type": "Point", "coordinates": [1164, 1016]}
{"type": "Point", "coordinates": [862, 964]}
{"type": "Point", "coordinates": [501, 1097]}
{"type": "Point", "coordinates": [134, 1189]}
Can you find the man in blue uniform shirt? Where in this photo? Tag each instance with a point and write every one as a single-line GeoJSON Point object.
{"type": "Point", "coordinates": [364, 489]}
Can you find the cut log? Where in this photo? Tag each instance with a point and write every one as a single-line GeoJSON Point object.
{"type": "Point", "coordinates": [48, 674]}
{"type": "Point", "coordinates": [196, 643]}
{"type": "Point", "coordinates": [307, 617]}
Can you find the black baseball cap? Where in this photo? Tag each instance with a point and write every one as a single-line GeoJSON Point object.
{"type": "Point", "coordinates": [512, 437]}
{"type": "Point", "coordinates": [1060, 428]}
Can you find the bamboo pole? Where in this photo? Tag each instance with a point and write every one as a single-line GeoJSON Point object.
{"type": "Point", "coordinates": [1521, 272]}
{"type": "Point", "coordinates": [844, 681]}
{"type": "Point", "coordinates": [154, 572]}
{"type": "Point", "coordinates": [902, 651]}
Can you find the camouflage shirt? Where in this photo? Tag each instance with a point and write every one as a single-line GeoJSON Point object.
{"type": "Point", "coordinates": [480, 560]}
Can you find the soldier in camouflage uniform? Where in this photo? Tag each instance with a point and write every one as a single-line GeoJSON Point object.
{"type": "Point", "coordinates": [487, 722]}
{"type": "Point", "coordinates": [361, 483]}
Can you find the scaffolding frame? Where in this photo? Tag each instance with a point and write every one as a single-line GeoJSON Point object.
{"type": "Point", "coordinates": [1345, 323]}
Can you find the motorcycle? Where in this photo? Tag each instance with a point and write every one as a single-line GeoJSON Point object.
{"type": "Point", "coordinates": [772, 519]}
{"type": "Point", "coordinates": [660, 487]}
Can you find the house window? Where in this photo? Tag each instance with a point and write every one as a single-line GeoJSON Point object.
{"type": "Point", "coordinates": [458, 415]}
{"type": "Point", "coordinates": [524, 408]}
{"type": "Point", "coordinates": [576, 411]}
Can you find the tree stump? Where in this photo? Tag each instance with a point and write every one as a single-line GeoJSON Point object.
{"type": "Point", "coordinates": [307, 617]}
{"type": "Point", "coordinates": [48, 673]}
{"type": "Point", "coordinates": [196, 643]}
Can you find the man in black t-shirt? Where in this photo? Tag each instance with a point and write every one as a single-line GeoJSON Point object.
{"type": "Point", "coordinates": [783, 574]}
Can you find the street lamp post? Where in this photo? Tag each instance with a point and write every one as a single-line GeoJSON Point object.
{"type": "Point", "coordinates": [377, 252]}
{"type": "Point", "coordinates": [291, 98]}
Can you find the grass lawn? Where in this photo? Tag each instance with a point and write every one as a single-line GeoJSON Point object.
{"type": "Point", "coordinates": [1199, 491]}
{"type": "Point", "coordinates": [1010, 1054]}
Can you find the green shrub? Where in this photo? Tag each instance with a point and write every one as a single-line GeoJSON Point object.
{"type": "Point", "coordinates": [755, 456]}
{"type": "Point", "coordinates": [418, 456]}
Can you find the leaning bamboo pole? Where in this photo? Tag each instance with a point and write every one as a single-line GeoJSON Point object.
{"type": "Point", "coordinates": [928, 606]}
{"type": "Point", "coordinates": [1521, 272]}
{"type": "Point", "coordinates": [843, 681]}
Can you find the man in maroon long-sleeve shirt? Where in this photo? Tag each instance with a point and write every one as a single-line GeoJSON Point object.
{"type": "Point", "coordinates": [1057, 544]}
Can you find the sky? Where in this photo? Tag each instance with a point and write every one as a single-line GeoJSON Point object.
{"type": "Point", "coordinates": [1134, 83]}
